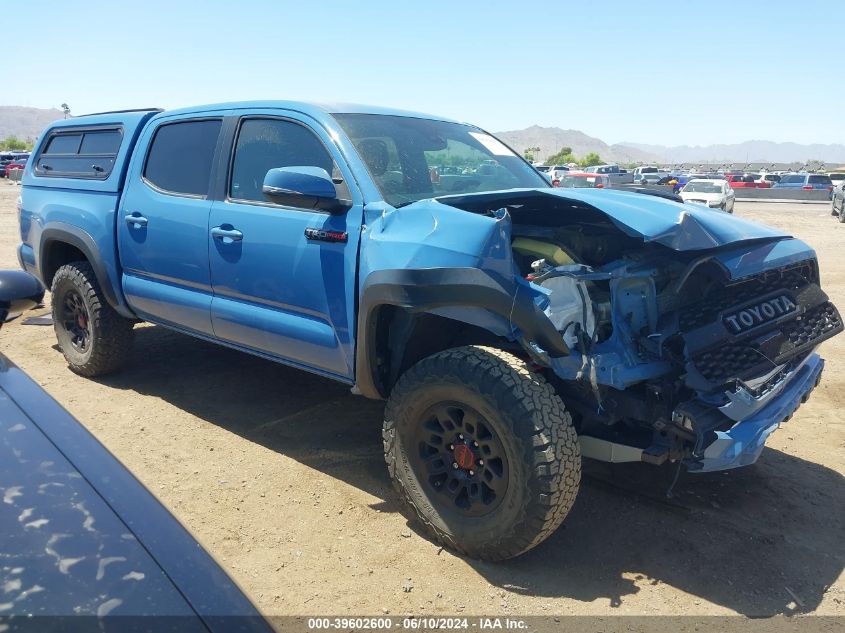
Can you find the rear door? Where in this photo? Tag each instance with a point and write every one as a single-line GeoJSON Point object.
{"type": "Point", "coordinates": [162, 223]}
{"type": "Point", "coordinates": [276, 291]}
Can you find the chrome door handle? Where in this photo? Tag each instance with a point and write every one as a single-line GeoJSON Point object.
{"type": "Point", "coordinates": [232, 235]}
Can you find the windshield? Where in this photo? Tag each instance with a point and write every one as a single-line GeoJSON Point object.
{"type": "Point", "coordinates": [412, 159]}
{"type": "Point", "coordinates": [703, 187]}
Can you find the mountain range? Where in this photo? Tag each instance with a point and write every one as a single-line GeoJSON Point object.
{"type": "Point", "coordinates": [550, 140]}
{"type": "Point", "coordinates": [28, 123]}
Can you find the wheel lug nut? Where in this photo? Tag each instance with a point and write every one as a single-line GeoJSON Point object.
{"type": "Point", "coordinates": [475, 444]}
{"type": "Point", "coordinates": [471, 473]}
{"type": "Point", "coordinates": [451, 447]}
{"type": "Point", "coordinates": [460, 437]}
{"type": "Point", "coordinates": [455, 465]}
{"type": "Point", "coordinates": [481, 462]}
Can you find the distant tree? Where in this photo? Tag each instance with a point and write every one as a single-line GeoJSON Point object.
{"type": "Point", "coordinates": [13, 143]}
{"type": "Point", "coordinates": [562, 157]}
{"type": "Point", "coordinates": [529, 153]}
{"type": "Point", "coordinates": [590, 159]}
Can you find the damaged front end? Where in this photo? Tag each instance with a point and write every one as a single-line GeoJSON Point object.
{"type": "Point", "coordinates": [679, 333]}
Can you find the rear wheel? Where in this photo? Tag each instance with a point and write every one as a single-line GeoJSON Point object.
{"type": "Point", "coordinates": [94, 339]}
{"type": "Point", "coordinates": [482, 451]}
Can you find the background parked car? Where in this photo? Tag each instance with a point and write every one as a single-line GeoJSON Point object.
{"type": "Point", "coordinates": [583, 180]}
{"type": "Point", "coordinates": [556, 172]}
{"type": "Point", "coordinates": [770, 178]}
{"type": "Point", "coordinates": [19, 163]}
{"type": "Point", "coordinates": [837, 201]}
{"type": "Point", "coordinates": [837, 177]}
{"type": "Point", "coordinates": [805, 181]}
{"type": "Point", "coordinates": [747, 181]}
{"type": "Point", "coordinates": [614, 173]}
{"type": "Point", "coordinates": [668, 179]}
{"type": "Point", "coordinates": [650, 178]}
{"type": "Point", "coordinates": [716, 194]}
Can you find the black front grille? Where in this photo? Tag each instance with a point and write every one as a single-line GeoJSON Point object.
{"type": "Point", "coordinates": [729, 361]}
{"type": "Point", "coordinates": [813, 324]}
{"type": "Point", "coordinates": [707, 309]}
{"type": "Point", "coordinates": [744, 360]}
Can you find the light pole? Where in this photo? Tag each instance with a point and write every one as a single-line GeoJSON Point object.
{"type": "Point", "coordinates": [66, 109]}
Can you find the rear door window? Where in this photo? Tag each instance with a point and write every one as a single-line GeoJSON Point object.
{"type": "Point", "coordinates": [819, 180]}
{"type": "Point", "coordinates": [181, 155]}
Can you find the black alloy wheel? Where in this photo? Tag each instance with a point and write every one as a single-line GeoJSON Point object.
{"type": "Point", "coordinates": [76, 321]}
{"type": "Point", "coordinates": [461, 459]}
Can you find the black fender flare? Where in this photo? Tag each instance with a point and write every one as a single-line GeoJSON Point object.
{"type": "Point", "coordinates": [424, 290]}
{"type": "Point", "coordinates": [78, 238]}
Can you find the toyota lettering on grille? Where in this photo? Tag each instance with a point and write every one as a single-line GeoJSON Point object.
{"type": "Point", "coordinates": [763, 312]}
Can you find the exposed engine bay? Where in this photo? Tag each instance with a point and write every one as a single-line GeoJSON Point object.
{"type": "Point", "coordinates": [668, 347]}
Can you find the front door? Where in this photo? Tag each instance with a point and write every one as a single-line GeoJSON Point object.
{"type": "Point", "coordinates": [278, 291]}
{"type": "Point", "coordinates": [163, 224]}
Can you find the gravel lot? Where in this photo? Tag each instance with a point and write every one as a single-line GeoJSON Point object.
{"type": "Point", "coordinates": [280, 475]}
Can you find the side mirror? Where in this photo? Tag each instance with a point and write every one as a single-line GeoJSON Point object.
{"type": "Point", "coordinates": [309, 187]}
{"type": "Point", "coordinates": [19, 291]}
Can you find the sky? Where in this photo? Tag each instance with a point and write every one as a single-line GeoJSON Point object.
{"type": "Point", "coordinates": [668, 73]}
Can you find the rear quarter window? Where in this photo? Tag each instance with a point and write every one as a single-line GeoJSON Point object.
{"type": "Point", "coordinates": [79, 153]}
{"type": "Point", "coordinates": [819, 180]}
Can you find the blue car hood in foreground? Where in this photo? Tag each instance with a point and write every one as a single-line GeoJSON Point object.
{"type": "Point", "coordinates": [85, 546]}
{"type": "Point", "coordinates": [681, 227]}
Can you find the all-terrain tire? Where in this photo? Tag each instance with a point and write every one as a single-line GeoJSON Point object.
{"type": "Point", "coordinates": [535, 431]}
{"type": "Point", "coordinates": [109, 335]}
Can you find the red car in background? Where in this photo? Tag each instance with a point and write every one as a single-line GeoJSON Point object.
{"type": "Point", "coordinates": [15, 164]}
{"type": "Point", "coordinates": [747, 181]}
{"type": "Point", "coordinates": [582, 180]}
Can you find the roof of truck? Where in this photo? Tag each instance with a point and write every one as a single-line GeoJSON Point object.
{"type": "Point", "coordinates": [310, 108]}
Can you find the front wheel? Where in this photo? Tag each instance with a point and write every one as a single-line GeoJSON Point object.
{"type": "Point", "coordinates": [94, 338]}
{"type": "Point", "coordinates": [482, 451]}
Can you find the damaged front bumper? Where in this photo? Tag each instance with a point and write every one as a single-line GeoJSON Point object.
{"type": "Point", "coordinates": [742, 443]}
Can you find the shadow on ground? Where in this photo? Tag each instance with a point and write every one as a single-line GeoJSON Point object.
{"type": "Point", "coordinates": [745, 540]}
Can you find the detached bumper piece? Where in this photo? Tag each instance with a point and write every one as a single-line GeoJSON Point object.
{"type": "Point", "coordinates": [733, 444]}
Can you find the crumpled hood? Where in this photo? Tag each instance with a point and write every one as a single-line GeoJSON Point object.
{"type": "Point", "coordinates": [681, 227]}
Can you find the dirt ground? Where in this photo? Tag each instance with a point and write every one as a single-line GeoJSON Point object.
{"type": "Point", "coordinates": [280, 475]}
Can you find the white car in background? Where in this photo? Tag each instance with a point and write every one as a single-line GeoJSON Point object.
{"type": "Point", "coordinates": [715, 194]}
{"type": "Point", "coordinates": [557, 172]}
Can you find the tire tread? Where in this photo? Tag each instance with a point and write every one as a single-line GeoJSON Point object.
{"type": "Point", "coordinates": [553, 450]}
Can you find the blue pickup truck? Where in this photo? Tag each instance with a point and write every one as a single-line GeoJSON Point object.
{"type": "Point", "coordinates": [512, 327]}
